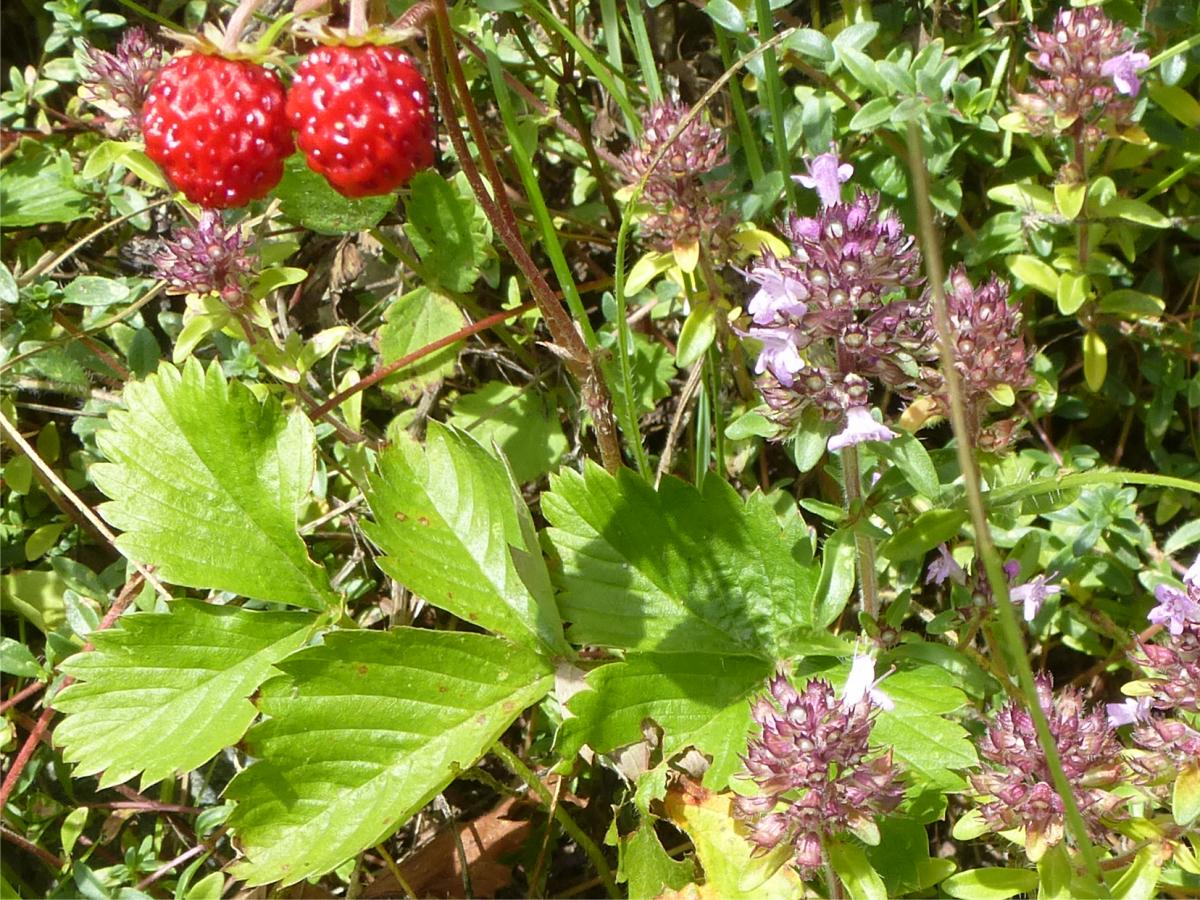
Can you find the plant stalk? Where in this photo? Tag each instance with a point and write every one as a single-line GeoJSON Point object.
{"type": "Point", "coordinates": [1011, 632]}
{"type": "Point", "coordinates": [867, 579]}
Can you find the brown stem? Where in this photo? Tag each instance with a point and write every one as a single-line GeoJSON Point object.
{"type": "Point", "coordinates": [30, 847]}
{"type": "Point", "coordinates": [577, 355]}
{"type": "Point", "coordinates": [39, 729]}
{"type": "Point", "coordinates": [203, 847]}
{"type": "Point", "coordinates": [24, 694]}
{"type": "Point", "coordinates": [393, 367]}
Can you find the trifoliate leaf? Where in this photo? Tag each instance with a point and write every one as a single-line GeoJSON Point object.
{"type": "Point", "coordinates": [165, 692]}
{"type": "Point", "coordinates": [364, 730]}
{"type": "Point", "coordinates": [206, 481]}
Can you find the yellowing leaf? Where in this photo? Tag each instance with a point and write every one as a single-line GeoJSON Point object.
{"type": "Point", "coordinates": [1095, 360]}
{"type": "Point", "coordinates": [730, 869]}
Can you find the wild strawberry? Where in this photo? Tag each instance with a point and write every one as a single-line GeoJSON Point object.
{"type": "Point", "coordinates": [218, 129]}
{"type": "Point", "coordinates": [362, 118]}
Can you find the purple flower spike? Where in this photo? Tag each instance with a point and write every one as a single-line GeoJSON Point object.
{"type": "Point", "coordinates": [1131, 712]}
{"type": "Point", "coordinates": [1123, 70]}
{"type": "Point", "coordinates": [1175, 609]}
{"type": "Point", "coordinates": [208, 257]}
{"type": "Point", "coordinates": [860, 426]}
{"type": "Point", "coordinates": [826, 176]}
{"type": "Point", "coordinates": [1033, 594]}
{"type": "Point", "coordinates": [813, 755]}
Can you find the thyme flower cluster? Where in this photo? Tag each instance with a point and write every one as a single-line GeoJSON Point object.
{"type": "Point", "coordinates": [843, 311]}
{"type": "Point", "coordinates": [118, 83]}
{"type": "Point", "coordinates": [1089, 75]}
{"type": "Point", "coordinates": [684, 209]}
{"type": "Point", "coordinates": [816, 774]}
{"type": "Point", "coordinates": [1171, 683]}
{"type": "Point", "coordinates": [210, 257]}
{"type": "Point", "coordinates": [1015, 789]}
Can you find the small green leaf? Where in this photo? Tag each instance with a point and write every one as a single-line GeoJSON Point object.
{"type": "Point", "coordinates": [699, 330]}
{"type": "Point", "coordinates": [1095, 360]}
{"type": "Point", "coordinates": [456, 532]}
{"type": "Point", "coordinates": [36, 190]}
{"type": "Point", "coordinates": [1132, 304]}
{"type": "Point", "coordinates": [645, 270]}
{"type": "Point", "coordinates": [17, 659]}
{"type": "Point", "coordinates": [276, 277]}
{"type": "Point", "coordinates": [92, 290]}
{"type": "Point", "coordinates": [72, 827]}
{"type": "Point", "coordinates": [1135, 211]}
{"type": "Point", "coordinates": [855, 870]}
{"type": "Point", "coordinates": [811, 43]}
{"type": "Point", "coordinates": [909, 455]}
{"type": "Point", "coordinates": [872, 114]}
{"type": "Point", "coordinates": [1031, 197]}
{"type": "Point", "coordinates": [9, 293]}
{"type": "Point", "coordinates": [990, 884]}
{"type": "Point", "coordinates": [1185, 795]}
{"type": "Point", "coordinates": [750, 424]}
{"type": "Point", "coordinates": [1069, 198]}
{"type": "Point", "coordinates": [413, 321]}
{"type": "Point", "coordinates": [726, 15]}
{"type": "Point", "coordinates": [1140, 880]}
{"type": "Point", "coordinates": [1178, 102]}
{"type": "Point", "coordinates": [364, 730]}
{"type": "Point", "coordinates": [307, 199]}
{"type": "Point", "coordinates": [839, 560]}
{"type": "Point", "coordinates": [165, 692]}
{"type": "Point", "coordinates": [1035, 273]}
{"type": "Point", "coordinates": [926, 531]}
{"type": "Point", "coordinates": [1073, 291]}
{"type": "Point", "coordinates": [42, 539]}
{"type": "Point", "coordinates": [210, 887]}
{"type": "Point", "coordinates": [206, 482]}
{"type": "Point", "coordinates": [448, 230]}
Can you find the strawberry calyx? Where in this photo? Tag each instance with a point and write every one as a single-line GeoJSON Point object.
{"type": "Point", "coordinates": [211, 42]}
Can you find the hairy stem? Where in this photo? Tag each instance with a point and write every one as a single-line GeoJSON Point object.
{"type": "Point", "coordinates": [931, 249]}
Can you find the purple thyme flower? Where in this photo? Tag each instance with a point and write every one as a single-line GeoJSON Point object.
{"type": "Point", "coordinates": [1015, 789]}
{"type": "Point", "coordinates": [812, 757]}
{"type": "Point", "coordinates": [860, 426]}
{"type": "Point", "coordinates": [118, 83]}
{"type": "Point", "coordinates": [1123, 70]}
{"type": "Point", "coordinates": [1088, 64]}
{"type": "Point", "coordinates": [841, 297]}
{"type": "Point", "coordinates": [1129, 712]}
{"type": "Point", "coordinates": [1176, 609]}
{"type": "Point", "coordinates": [990, 354]}
{"type": "Point", "coordinates": [780, 296]}
{"type": "Point", "coordinates": [1033, 594]}
{"type": "Point", "coordinates": [945, 567]}
{"type": "Point", "coordinates": [1192, 575]}
{"type": "Point", "coordinates": [826, 176]}
{"type": "Point", "coordinates": [210, 257]}
{"type": "Point", "coordinates": [683, 208]}
{"type": "Point", "coordinates": [779, 356]}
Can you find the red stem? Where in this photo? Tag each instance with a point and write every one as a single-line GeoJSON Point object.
{"type": "Point", "coordinates": [43, 722]}
{"type": "Point", "coordinates": [24, 694]}
{"type": "Point", "coordinates": [393, 367]}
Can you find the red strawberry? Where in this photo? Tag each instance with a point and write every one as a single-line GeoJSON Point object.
{"type": "Point", "coordinates": [217, 128]}
{"type": "Point", "coordinates": [362, 117]}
